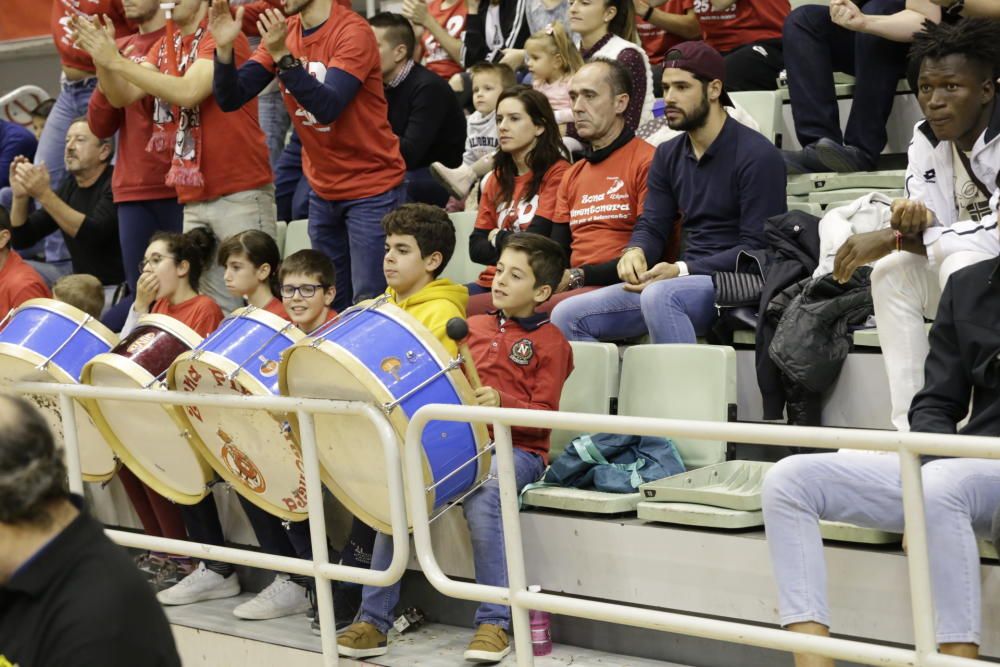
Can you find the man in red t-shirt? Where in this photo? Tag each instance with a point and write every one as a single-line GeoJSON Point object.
{"type": "Point", "coordinates": [219, 164]}
{"type": "Point", "coordinates": [662, 27]}
{"type": "Point", "coordinates": [330, 73]}
{"type": "Point", "coordinates": [146, 204]}
{"type": "Point", "coordinates": [601, 196]}
{"type": "Point", "coordinates": [78, 84]}
{"type": "Point", "coordinates": [748, 34]}
{"type": "Point", "coordinates": [18, 281]}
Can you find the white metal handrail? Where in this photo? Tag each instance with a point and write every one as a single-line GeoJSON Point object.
{"type": "Point", "coordinates": [909, 446]}
{"type": "Point", "coordinates": [305, 408]}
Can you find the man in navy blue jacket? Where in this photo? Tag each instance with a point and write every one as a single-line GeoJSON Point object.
{"type": "Point", "coordinates": [720, 180]}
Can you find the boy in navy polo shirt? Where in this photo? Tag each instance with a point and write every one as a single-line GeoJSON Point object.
{"type": "Point", "coordinates": [523, 361]}
{"type": "Point", "coordinates": [721, 180]}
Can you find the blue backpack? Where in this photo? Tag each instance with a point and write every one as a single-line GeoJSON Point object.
{"type": "Point", "coordinates": [614, 463]}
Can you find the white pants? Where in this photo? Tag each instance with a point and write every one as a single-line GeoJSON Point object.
{"type": "Point", "coordinates": [960, 497]}
{"type": "Point", "coordinates": [905, 290]}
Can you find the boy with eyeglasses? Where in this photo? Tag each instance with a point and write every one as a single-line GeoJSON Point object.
{"type": "Point", "coordinates": [307, 290]}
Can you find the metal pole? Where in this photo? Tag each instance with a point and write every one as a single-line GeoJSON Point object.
{"type": "Point", "coordinates": [918, 563]}
{"type": "Point", "coordinates": [317, 533]}
{"type": "Point", "coordinates": [71, 443]}
{"type": "Point", "coordinates": [510, 515]}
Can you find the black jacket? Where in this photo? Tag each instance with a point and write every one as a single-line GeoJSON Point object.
{"type": "Point", "coordinates": [813, 335]}
{"type": "Point", "coordinates": [963, 361]}
{"type": "Point", "coordinates": [426, 116]}
{"type": "Point", "coordinates": [513, 25]}
{"type": "Point", "coordinates": [793, 239]}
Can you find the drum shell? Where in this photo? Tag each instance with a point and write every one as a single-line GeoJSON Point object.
{"type": "Point", "coordinates": [229, 445]}
{"type": "Point", "coordinates": [37, 330]}
{"type": "Point", "coordinates": [390, 354]}
{"type": "Point", "coordinates": [138, 361]}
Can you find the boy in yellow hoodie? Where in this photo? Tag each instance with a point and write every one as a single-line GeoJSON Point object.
{"type": "Point", "coordinates": [419, 241]}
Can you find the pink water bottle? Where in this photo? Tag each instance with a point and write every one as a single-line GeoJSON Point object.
{"type": "Point", "coordinates": [541, 634]}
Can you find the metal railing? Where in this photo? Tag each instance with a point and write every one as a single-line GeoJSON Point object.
{"type": "Point", "coordinates": [908, 446]}
{"type": "Point", "coordinates": [320, 566]}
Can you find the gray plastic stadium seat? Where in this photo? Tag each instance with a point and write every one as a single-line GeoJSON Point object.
{"type": "Point", "coordinates": [461, 269]}
{"type": "Point", "coordinates": [296, 237]}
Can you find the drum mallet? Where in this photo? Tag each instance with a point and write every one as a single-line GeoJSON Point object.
{"type": "Point", "coordinates": [458, 331]}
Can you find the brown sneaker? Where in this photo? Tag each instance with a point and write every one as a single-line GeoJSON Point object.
{"type": "Point", "coordinates": [489, 645]}
{"type": "Point", "coordinates": [362, 640]}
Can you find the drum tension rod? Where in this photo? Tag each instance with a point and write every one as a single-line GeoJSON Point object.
{"type": "Point", "coordinates": [487, 449]}
{"type": "Point", "coordinates": [42, 366]}
{"type": "Point", "coordinates": [10, 313]}
{"type": "Point", "coordinates": [341, 320]}
{"type": "Point", "coordinates": [260, 349]}
{"type": "Point", "coordinates": [158, 378]}
{"type": "Point", "coordinates": [387, 408]}
{"type": "Point", "coordinates": [465, 495]}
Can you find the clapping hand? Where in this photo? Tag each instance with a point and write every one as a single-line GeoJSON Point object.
{"type": "Point", "coordinates": [273, 28]}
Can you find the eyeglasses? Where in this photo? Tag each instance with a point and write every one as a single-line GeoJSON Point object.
{"type": "Point", "coordinates": [305, 291]}
{"type": "Point", "coordinates": [153, 261]}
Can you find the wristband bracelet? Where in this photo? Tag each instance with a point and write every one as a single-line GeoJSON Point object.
{"type": "Point", "coordinates": [899, 240]}
{"type": "Point", "coordinates": [649, 12]}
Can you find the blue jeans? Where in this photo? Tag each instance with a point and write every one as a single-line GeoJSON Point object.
{"type": "Point", "coordinates": [482, 512]}
{"type": "Point", "coordinates": [137, 222]}
{"type": "Point", "coordinates": [960, 497]}
{"type": "Point", "coordinates": [421, 187]}
{"type": "Point", "coordinates": [350, 234]}
{"type": "Point", "coordinates": [74, 96]}
{"type": "Point", "coordinates": [672, 311]}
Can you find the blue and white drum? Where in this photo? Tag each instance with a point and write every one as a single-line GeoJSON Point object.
{"type": "Point", "coordinates": [253, 450]}
{"type": "Point", "coordinates": [378, 353]}
{"type": "Point", "coordinates": [49, 341]}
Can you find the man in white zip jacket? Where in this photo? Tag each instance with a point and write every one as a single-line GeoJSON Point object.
{"type": "Point", "coordinates": [947, 220]}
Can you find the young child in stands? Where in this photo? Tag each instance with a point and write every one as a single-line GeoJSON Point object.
{"type": "Point", "coordinates": [251, 261]}
{"type": "Point", "coordinates": [171, 268]}
{"type": "Point", "coordinates": [81, 290]}
{"type": "Point", "coordinates": [419, 241]}
{"type": "Point", "coordinates": [307, 290]}
{"type": "Point", "coordinates": [552, 58]}
{"type": "Point", "coordinates": [481, 141]}
{"type": "Point", "coordinates": [523, 361]}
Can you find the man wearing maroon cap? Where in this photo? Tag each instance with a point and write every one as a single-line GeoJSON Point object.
{"type": "Point", "coordinates": [721, 178]}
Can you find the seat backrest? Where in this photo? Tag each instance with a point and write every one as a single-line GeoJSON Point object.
{"type": "Point", "coordinates": [461, 269]}
{"type": "Point", "coordinates": [765, 107]}
{"type": "Point", "coordinates": [296, 237]}
{"type": "Point", "coordinates": [681, 382]}
{"type": "Point", "coordinates": [281, 228]}
{"type": "Point", "coordinates": [589, 388]}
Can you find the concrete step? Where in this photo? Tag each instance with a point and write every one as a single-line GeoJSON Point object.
{"type": "Point", "coordinates": [209, 635]}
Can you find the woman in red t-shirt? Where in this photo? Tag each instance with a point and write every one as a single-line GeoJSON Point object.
{"type": "Point", "coordinates": [521, 190]}
{"type": "Point", "coordinates": [251, 260]}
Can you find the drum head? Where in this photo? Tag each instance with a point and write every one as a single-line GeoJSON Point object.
{"type": "Point", "coordinates": [253, 450]}
{"type": "Point", "coordinates": [351, 457]}
{"type": "Point", "coordinates": [148, 438]}
{"type": "Point", "coordinates": [97, 461]}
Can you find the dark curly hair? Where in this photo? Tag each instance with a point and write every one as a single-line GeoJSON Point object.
{"type": "Point", "coordinates": [429, 225]}
{"type": "Point", "coordinates": [976, 39]}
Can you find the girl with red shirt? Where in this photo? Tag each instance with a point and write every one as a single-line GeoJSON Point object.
{"type": "Point", "coordinates": [171, 264]}
{"type": "Point", "coordinates": [520, 195]}
{"type": "Point", "coordinates": [251, 260]}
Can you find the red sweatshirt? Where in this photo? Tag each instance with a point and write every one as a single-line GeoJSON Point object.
{"type": "Point", "coordinates": [527, 361]}
{"type": "Point", "coordinates": [140, 174]}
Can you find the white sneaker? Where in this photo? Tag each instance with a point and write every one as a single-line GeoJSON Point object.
{"type": "Point", "coordinates": [200, 585]}
{"type": "Point", "coordinates": [283, 597]}
{"type": "Point", "coordinates": [458, 182]}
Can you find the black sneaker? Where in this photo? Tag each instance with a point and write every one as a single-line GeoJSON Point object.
{"type": "Point", "coordinates": [841, 158]}
{"type": "Point", "coordinates": [804, 161]}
